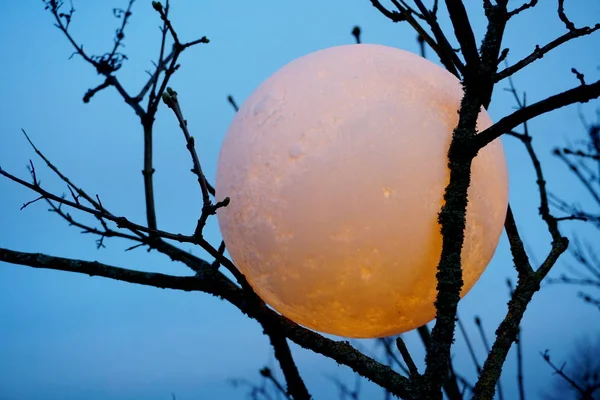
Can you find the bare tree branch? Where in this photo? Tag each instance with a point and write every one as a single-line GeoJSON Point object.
{"type": "Point", "coordinates": [580, 94]}
{"type": "Point", "coordinates": [208, 209]}
{"type": "Point", "coordinates": [520, 258]}
{"type": "Point", "coordinates": [412, 368]}
{"type": "Point", "coordinates": [452, 216]}
{"type": "Point", "coordinates": [585, 395]}
{"type": "Point", "coordinates": [519, 343]}
{"type": "Point", "coordinates": [508, 330]}
{"type": "Point", "coordinates": [487, 349]}
{"type": "Point", "coordinates": [464, 33]}
{"type": "Point", "coordinates": [479, 76]}
{"type": "Point", "coordinates": [296, 387]}
{"type": "Point", "coordinates": [563, 17]}
{"type": "Point", "coordinates": [444, 50]}
{"type": "Point", "coordinates": [544, 210]}
{"type": "Point", "coordinates": [450, 61]}
{"type": "Point", "coordinates": [523, 7]}
{"type": "Point", "coordinates": [585, 181]}
{"type": "Point", "coordinates": [213, 282]}
{"type": "Point", "coordinates": [539, 52]}
{"type": "Point", "coordinates": [469, 345]}
{"type": "Point", "coordinates": [201, 282]}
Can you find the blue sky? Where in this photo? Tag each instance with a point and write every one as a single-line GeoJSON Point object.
{"type": "Point", "coordinates": [70, 337]}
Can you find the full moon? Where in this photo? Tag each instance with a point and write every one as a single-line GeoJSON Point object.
{"type": "Point", "coordinates": [336, 167]}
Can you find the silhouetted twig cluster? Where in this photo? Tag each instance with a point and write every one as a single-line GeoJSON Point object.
{"type": "Point", "coordinates": [580, 379]}
{"type": "Point", "coordinates": [583, 160]}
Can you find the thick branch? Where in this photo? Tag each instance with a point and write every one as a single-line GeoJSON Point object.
{"type": "Point", "coordinates": [464, 34]}
{"type": "Point", "coordinates": [412, 368]}
{"type": "Point", "coordinates": [580, 94]}
{"type": "Point", "coordinates": [94, 268]}
{"type": "Point", "coordinates": [449, 275]}
{"type": "Point", "coordinates": [452, 216]}
{"type": "Point", "coordinates": [490, 50]}
{"type": "Point", "coordinates": [507, 332]}
{"type": "Point", "coordinates": [148, 173]}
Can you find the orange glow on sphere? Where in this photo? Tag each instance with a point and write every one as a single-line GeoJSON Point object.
{"type": "Point", "coordinates": [336, 167]}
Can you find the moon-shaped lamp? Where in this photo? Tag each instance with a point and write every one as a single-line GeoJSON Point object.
{"type": "Point", "coordinates": [336, 167]}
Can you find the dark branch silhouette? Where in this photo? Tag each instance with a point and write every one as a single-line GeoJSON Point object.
{"type": "Point", "coordinates": [475, 64]}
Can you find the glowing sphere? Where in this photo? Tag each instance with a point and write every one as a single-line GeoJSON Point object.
{"type": "Point", "coordinates": [336, 167]}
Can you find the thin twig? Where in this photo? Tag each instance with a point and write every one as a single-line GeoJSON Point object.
{"type": "Point", "coordinates": [447, 56]}
{"type": "Point", "coordinates": [170, 99]}
{"type": "Point", "coordinates": [356, 33]}
{"type": "Point", "coordinates": [507, 332]}
{"type": "Point", "coordinates": [469, 345]}
{"type": "Point", "coordinates": [412, 368]}
{"type": "Point", "coordinates": [443, 48]}
{"type": "Point", "coordinates": [296, 387]}
{"type": "Point", "coordinates": [266, 373]}
{"type": "Point", "coordinates": [215, 283]}
{"type": "Point", "coordinates": [523, 7]}
{"type": "Point", "coordinates": [563, 17]}
{"type": "Point", "coordinates": [231, 101]}
{"type": "Point", "coordinates": [391, 355]}
{"type": "Point", "coordinates": [539, 52]}
{"type": "Point", "coordinates": [560, 371]}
